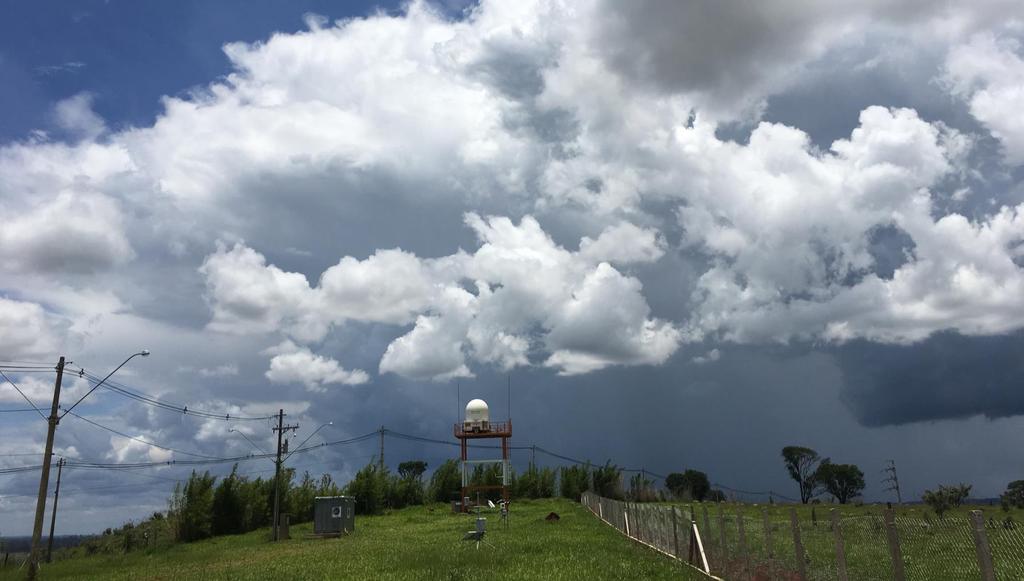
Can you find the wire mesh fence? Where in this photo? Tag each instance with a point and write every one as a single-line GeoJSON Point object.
{"type": "Point", "coordinates": [764, 543]}
{"type": "Point", "coordinates": [666, 529]}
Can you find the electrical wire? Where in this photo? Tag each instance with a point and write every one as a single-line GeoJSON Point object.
{"type": "Point", "coordinates": [17, 469]}
{"type": "Point", "coordinates": [23, 394]}
{"type": "Point", "coordinates": [123, 435]}
{"type": "Point", "coordinates": [131, 393]}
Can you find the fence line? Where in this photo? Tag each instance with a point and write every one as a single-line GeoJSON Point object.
{"type": "Point", "coordinates": [820, 543]}
{"type": "Point", "coordinates": [666, 529]}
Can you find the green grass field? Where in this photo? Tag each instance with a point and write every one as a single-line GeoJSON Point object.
{"type": "Point", "coordinates": [413, 543]}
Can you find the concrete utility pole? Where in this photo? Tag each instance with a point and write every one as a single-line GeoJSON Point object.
{"type": "Point", "coordinates": [53, 516]}
{"type": "Point", "coordinates": [893, 481]}
{"type": "Point", "coordinates": [382, 448]}
{"type": "Point", "coordinates": [280, 429]}
{"type": "Point", "coordinates": [44, 478]}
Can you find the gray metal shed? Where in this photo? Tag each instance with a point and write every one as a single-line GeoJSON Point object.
{"type": "Point", "coordinates": [334, 514]}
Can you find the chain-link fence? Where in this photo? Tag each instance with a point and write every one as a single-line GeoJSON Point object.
{"type": "Point", "coordinates": [763, 543]}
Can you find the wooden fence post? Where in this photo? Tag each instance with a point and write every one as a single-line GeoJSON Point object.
{"type": "Point", "coordinates": [675, 530]}
{"type": "Point", "coordinates": [837, 535]}
{"type": "Point", "coordinates": [691, 520]}
{"type": "Point", "coordinates": [721, 529]}
{"type": "Point", "coordinates": [707, 524]}
{"type": "Point", "coordinates": [798, 546]}
{"type": "Point", "coordinates": [981, 546]}
{"type": "Point", "coordinates": [743, 542]}
{"type": "Point", "coordinates": [898, 573]}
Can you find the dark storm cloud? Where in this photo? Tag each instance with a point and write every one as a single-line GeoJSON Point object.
{"type": "Point", "coordinates": [946, 376]}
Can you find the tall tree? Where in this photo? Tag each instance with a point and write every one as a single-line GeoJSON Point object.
{"type": "Point", "coordinates": [412, 469]}
{"type": "Point", "coordinates": [574, 481]}
{"type": "Point", "coordinates": [607, 481]}
{"type": "Point", "coordinates": [227, 508]}
{"type": "Point", "coordinates": [801, 463]}
{"type": "Point", "coordinates": [446, 482]}
{"type": "Point", "coordinates": [691, 484]}
{"type": "Point", "coordinates": [843, 481]}
{"type": "Point", "coordinates": [193, 506]}
{"type": "Point", "coordinates": [1014, 495]}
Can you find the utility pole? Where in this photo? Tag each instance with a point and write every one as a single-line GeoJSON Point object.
{"type": "Point", "coordinates": [382, 448]}
{"type": "Point", "coordinates": [280, 429]}
{"type": "Point", "coordinates": [893, 481]}
{"type": "Point", "coordinates": [53, 516]}
{"type": "Point", "coordinates": [44, 478]}
{"type": "Point", "coordinates": [533, 454]}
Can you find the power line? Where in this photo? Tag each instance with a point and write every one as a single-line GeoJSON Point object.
{"type": "Point", "coordinates": [18, 410]}
{"type": "Point", "coordinates": [17, 469]}
{"type": "Point", "coordinates": [123, 435]}
{"type": "Point", "coordinates": [183, 409]}
{"type": "Point", "coordinates": [41, 414]}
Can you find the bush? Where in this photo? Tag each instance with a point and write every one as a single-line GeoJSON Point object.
{"type": "Point", "coordinates": [946, 497]}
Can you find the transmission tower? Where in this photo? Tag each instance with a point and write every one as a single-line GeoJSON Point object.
{"type": "Point", "coordinates": [893, 480]}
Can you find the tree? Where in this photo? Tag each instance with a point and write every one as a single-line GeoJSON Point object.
{"type": "Point", "coordinates": [407, 488]}
{"type": "Point", "coordinates": [193, 507]}
{"type": "Point", "coordinates": [412, 469]}
{"type": "Point", "coordinates": [1014, 495]}
{"type": "Point", "coordinates": [691, 484]}
{"type": "Point", "coordinates": [802, 463]}
{"type": "Point", "coordinates": [946, 497]}
{"type": "Point", "coordinates": [227, 509]}
{"type": "Point", "coordinates": [843, 481]}
{"type": "Point", "coordinates": [535, 483]}
{"type": "Point", "coordinates": [446, 482]}
{"type": "Point", "coordinates": [370, 487]}
{"type": "Point", "coordinates": [574, 481]}
{"type": "Point", "coordinates": [301, 499]}
{"type": "Point", "coordinates": [640, 489]}
{"type": "Point", "coordinates": [607, 481]}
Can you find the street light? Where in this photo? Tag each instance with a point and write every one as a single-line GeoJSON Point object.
{"type": "Point", "coordinates": [44, 477]}
{"type": "Point", "coordinates": [143, 353]}
{"type": "Point", "coordinates": [240, 433]}
{"type": "Point", "coordinates": [299, 447]}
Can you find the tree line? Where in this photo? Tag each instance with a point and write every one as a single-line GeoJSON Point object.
{"type": "Point", "coordinates": [205, 506]}
{"type": "Point", "coordinates": [816, 475]}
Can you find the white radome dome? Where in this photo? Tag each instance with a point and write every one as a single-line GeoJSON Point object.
{"type": "Point", "coordinates": [476, 411]}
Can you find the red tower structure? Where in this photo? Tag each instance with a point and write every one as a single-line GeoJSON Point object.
{"type": "Point", "coordinates": [477, 426]}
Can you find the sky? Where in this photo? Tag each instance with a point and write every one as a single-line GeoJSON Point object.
{"type": "Point", "coordinates": [667, 234]}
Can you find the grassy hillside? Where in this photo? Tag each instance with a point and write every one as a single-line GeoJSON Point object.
{"type": "Point", "coordinates": [414, 543]}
